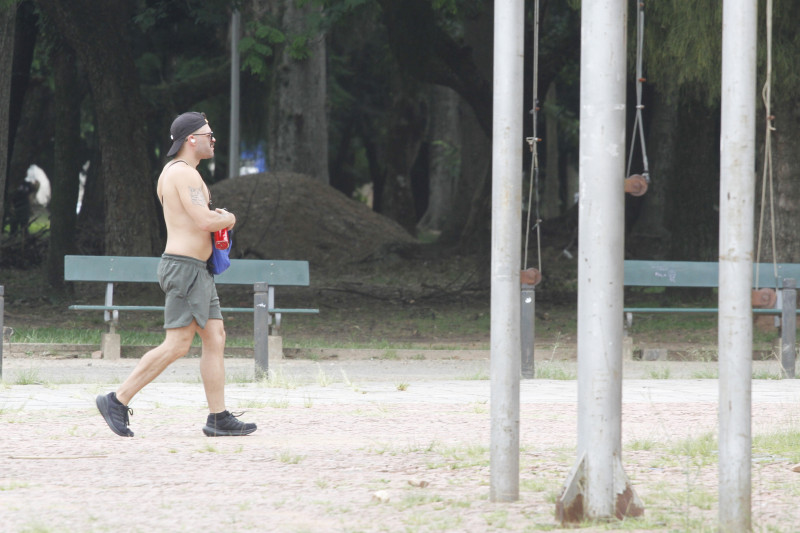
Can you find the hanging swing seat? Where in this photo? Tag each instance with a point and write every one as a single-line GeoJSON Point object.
{"type": "Point", "coordinates": [764, 298]}
{"type": "Point", "coordinates": [636, 185]}
{"type": "Point", "coordinates": [530, 276]}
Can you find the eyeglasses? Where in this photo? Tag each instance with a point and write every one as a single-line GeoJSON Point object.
{"type": "Point", "coordinates": [210, 134]}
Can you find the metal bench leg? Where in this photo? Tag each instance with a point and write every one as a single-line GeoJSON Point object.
{"type": "Point", "coordinates": [109, 341]}
{"type": "Point", "coordinates": [528, 329]}
{"type": "Point", "coordinates": [788, 327]}
{"type": "Point", "coordinates": [261, 329]}
{"type": "Point", "coordinates": [275, 340]}
{"type": "Point", "coordinates": [110, 344]}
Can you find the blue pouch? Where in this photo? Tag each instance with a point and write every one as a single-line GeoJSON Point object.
{"type": "Point", "coordinates": [220, 260]}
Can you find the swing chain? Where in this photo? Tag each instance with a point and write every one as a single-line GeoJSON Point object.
{"type": "Point", "coordinates": [533, 193]}
{"type": "Point", "coordinates": [767, 174]}
{"type": "Point", "coordinates": [638, 124]}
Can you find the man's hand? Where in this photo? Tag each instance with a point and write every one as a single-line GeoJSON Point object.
{"type": "Point", "coordinates": [227, 215]}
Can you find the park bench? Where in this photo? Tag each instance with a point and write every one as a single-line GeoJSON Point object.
{"type": "Point", "coordinates": [263, 275]}
{"type": "Point", "coordinates": [689, 274]}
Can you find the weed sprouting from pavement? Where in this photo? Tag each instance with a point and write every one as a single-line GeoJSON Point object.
{"type": "Point", "coordinates": [287, 457]}
{"type": "Point", "coordinates": [28, 376]}
{"type": "Point", "coordinates": [278, 380]}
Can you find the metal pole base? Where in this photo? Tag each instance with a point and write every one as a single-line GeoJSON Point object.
{"type": "Point", "coordinates": [570, 506]}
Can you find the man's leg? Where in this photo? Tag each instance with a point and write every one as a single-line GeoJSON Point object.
{"type": "Point", "coordinates": [212, 365]}
{"type": "Point", "coordinates": [175, 345]}
{"type": "Point", "coordinates": [114, 406]}
{"type": "Point", "coordinates": [220, 423]}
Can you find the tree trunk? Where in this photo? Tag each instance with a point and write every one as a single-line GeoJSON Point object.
{"type": "Point", "coordinates": [298, 137]}
{"type": "Point", "coordinates": [445, 157]}
{"type": "Point", "coordinates": [551, 206]}
{"type": "Point", "coordinates": [470, 222]}
{"type": "Point", "coordinates": [786, 162]}
{"type": "Point", "coordinates": [8, 17]}
{"type": "Point", "coordinates": [692, 187]}
{"type": "Point", "coordinates": [24, 36]}
{"type": "Point", "coordinates": [465, 227]}
{"type": "Point", "coordinates": [64, 179]}
{"type": "Point", "coordinates": [97, 32]}
{"type": "Point", "coordinates": [408, 118]}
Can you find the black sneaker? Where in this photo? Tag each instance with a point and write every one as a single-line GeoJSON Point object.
{"type": "Point", "coordinates": [226, 424]}
{"type": "Point", "coordinates": [115, 413]}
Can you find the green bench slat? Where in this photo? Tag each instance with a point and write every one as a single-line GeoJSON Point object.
{"type": "Point", "coordinates": [116, 307]}
{"type": "Point", "coordinates": [698, 274]}
{"type": "Point", "coordinates": [757, 311]}
{"type": "Point", "coordinates": [118, 269]}
{"type": "Point", "coordinates": [289, 310]}
{"type": "Point", "coordinates": [161, 308]}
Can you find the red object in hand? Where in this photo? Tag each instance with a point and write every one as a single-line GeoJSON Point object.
{"type": "Point", "coordinates": [221, 239]}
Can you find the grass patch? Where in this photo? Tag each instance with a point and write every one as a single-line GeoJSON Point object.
{"type": "Point", "coordinates": [389, 355]}
{"type": "Point", "coordinates": [252, 404]}
{"type": "Point", "coordinates": [701, 451]}
{"type": "Point", "coordinates": [278, 404]}
{"type": "Point", "coordinates": [28, 376]}
{"type": "Point", "coordinates": [287, 457]}
{"type": "Point", "coordinates": [780, 443]}
{"type": "Point", "coordinates": [554, 370]}
{"type": "Point", "coordinates": [659, 373]}
{"type": "Point", "coordinates": [642, 445]}
{"type": "Point", "coordinates": [457, 457]}
{"type": "Point", "coordinates": [766, 374]}
{"type": "Point", "coordinates": [323, 379]}
{"type": "Point", "coordinates": [278, 380]}
{"type": "Point", "coordinates": [13, 485]}
{"type": "Point", "coordinates": [131, 334]}
{"type": "Point", "coordinates": [705, 374]}
{"type": "Point", "coordinates": [480, 375]}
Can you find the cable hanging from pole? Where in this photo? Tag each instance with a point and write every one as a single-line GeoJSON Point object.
{"type": "Point", "coordinates": [533, 192]}
{"type": "Point", "coordinates": [637, 184]}
{"type": "Point", "coordinates": [767, 173]}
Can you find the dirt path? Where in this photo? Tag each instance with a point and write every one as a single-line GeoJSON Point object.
{"type": "Point", "coordinates": [365, 462]}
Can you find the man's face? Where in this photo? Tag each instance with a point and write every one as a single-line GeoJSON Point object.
{"type": "Point", "coordinates": [204, 142]}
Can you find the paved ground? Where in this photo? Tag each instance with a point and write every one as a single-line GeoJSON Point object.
{"type": "Point", "coordinates": [73, 383]}
{"type": "Point", "coordinates": [358, 445]}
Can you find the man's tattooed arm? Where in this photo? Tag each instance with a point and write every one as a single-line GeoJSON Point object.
{"type": "Point", "coordinates": [197, 196]}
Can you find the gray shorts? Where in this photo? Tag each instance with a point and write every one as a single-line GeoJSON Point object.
{"type": "Point", "coordinates": [190, 291]}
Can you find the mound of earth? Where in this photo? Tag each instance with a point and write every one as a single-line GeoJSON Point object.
{"type": "Point", "coordinates": [283, 215]}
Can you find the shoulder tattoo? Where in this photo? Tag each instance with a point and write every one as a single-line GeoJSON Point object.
{"type": "Point", "coordinates": [197, 196]}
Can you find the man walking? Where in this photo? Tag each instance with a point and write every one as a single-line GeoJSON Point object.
{"type": "Point", "coordinates": [191, 301]}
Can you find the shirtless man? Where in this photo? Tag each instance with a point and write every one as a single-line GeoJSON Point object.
{"type": "Point", "coordinates": [192, 306]}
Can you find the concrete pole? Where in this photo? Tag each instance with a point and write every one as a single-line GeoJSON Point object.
{"type": "Point", "coordinates": [507, 143]}
{"type": "Point", "coordinates": [601, 230]}
{"type": "Point", "coordinates": [736, 217]}
{"type": "Point", "coordinates": [233, 158]}
{"type": "Point", "coordinates": [601, 224]}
